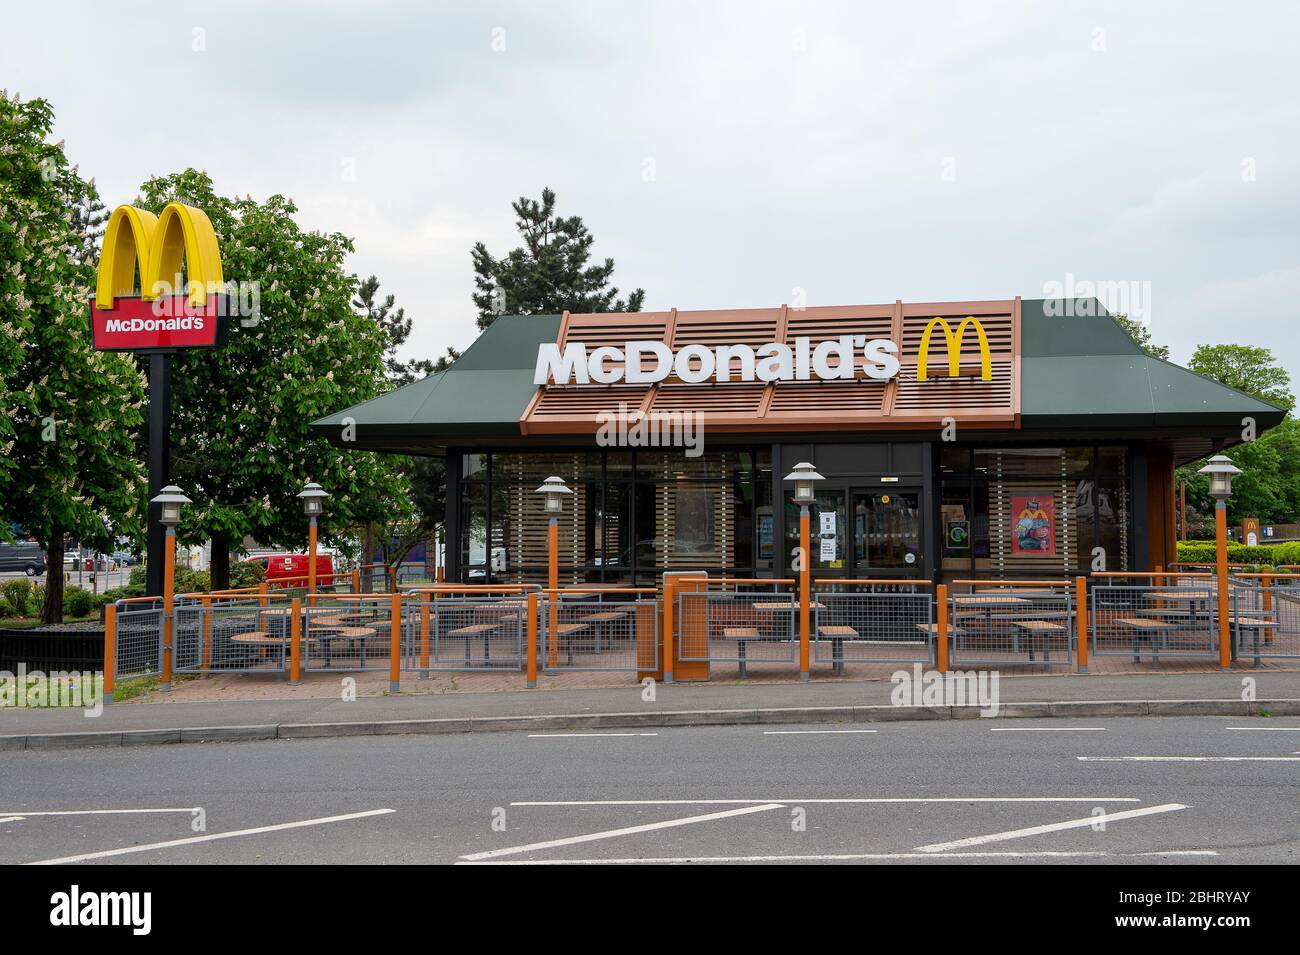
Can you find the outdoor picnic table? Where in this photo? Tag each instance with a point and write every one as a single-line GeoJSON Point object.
{"type": "Point", "coordinates": [1149, 629]}
{"type": "Point", "coordinates": [985, 604]}
{"type": "Point", "coordinates": [1191, 597]}
{"type": "Point", "coordinates": [1255, 624]}
{"type": "Point", "coordinates": [774, 606]}
{"type": "Point", "coordinates": [603, 617]}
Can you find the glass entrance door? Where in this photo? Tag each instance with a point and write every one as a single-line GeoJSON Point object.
{"type": "Point", "coordinates": [887, 533]}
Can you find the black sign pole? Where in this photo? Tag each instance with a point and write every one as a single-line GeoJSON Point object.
{"type": "Point", "coordinates": [160, 452]}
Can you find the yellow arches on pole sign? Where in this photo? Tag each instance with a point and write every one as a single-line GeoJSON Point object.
{"type": "Point", "coordinates": [158, 244]}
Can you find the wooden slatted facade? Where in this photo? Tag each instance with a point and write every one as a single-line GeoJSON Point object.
{"type": "Point", "coordinates": [865, 403]}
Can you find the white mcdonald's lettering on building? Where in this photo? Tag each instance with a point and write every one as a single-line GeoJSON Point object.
{"type": "Point", "coordinates": [646, 362]}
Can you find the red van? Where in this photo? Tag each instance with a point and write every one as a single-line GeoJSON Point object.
{"type": "Point", "coordinates": [280, 566]}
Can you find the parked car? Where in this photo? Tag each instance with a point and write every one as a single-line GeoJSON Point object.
{"type": "Point", "coordinates": [281, 566]}
{"type": "Point", "coordinates": [26, 556]}
{"type": "Point", "coordinates": [104, 562]}
{"type": "Point", "coordinates": [125, 558]}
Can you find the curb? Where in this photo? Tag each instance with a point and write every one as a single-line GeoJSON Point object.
{"type": "Point", "coordinates": [660, 718]}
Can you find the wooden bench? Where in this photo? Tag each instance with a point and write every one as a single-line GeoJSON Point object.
{"type": "Point", "coordinates": [565, 631]}
{"type": "Point", "coordinates": [473, 630]}
{"type": "Point", "coordinates": [838, 634]}
{"type": "Point", "coordinates": [742, 635]}
{"type": "Point", "coordinates": [1257, 624]}
{"type": "Point", "coordinates": [1041, 630]}
{"type": "Point", "coordinates": [1148, 628]}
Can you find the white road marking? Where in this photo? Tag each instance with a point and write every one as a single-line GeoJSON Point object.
{"type": "Point", "coordinates": [847, 857]}
{"type": "Point", "coordinates": [849, 800]}
{"type": "Point", "coordinates": [1265, 729]}
{"type": "Point", "coordinates": [1108, 817]}
{"type": "Point", "coordinates": [1188, 759]}
{"type": "Point", "coordinates": [4, 819]}
{"type": "Point", "coordinates": [1047, 729]}
{"type": "Point", "coordinates": [812, 732]}
{"type": "Point", "coordinates": [92, 812]}
{"type": "Point", "coordinates": [213, 837]}
{"type": "Point", "coordinates": [612, 833]}
{"type": "Point", "coordinates": [585, 736]}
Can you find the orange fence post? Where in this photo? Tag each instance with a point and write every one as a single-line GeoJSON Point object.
{"type": "Point", "coordinates": [941, 627]}
{"type": "Point", "coordinates": [532, 640]}
{"type": "Point", "coordinates": [295, 639]}
{"type": "Point", "coordinates": [356, 581]}
{"type": "Point", "coordinates": [261, 592]}
{"type": "Point", "coordinates": [424, 637]}
{"type": "Point", "coordinates": [1266, 582]}
{"type": "Point", "coordinates": [669, 607]}
{"type": "Point", "coordinates": [207, 634]}
{"type": "Point", "coordinates": [110, 651]}
{"type": "Point", "coordinates": [1081, 622]}
{"type": "Point", "coordinates": [395, 661]}
{"type": "Point", "coordinates": [805, 585]}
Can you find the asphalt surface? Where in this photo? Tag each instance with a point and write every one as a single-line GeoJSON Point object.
{"type": "Point", "coordinates": [1012, 791]}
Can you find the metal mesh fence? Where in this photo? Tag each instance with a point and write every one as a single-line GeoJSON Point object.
{"type": "Point", "coordinates": [347, 635]}
{"type": "Point", "coordinates": [741, 627]}
{"type": "Point", "coordinates": [599, 634]}
{"type": "Point", "coordinates": [240, 635]}
{"type": "Point", "coordinates": [1012, 625]}
{"type": "Point", "coordinates": [484, 632]}
{"type": "Point", "coordinates": [1142, 619]}
{"type": "Point", "coordinates": [889, 624]}
{"type": "Point", "coordinates": [139, 640]}
{"type": "Point", "coordinates": [1265, 621]}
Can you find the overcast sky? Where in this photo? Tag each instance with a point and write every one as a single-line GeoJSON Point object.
{"type": "Point", "coordinates": [728, 155]}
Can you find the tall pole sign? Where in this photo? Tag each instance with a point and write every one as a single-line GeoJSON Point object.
{"type": "Point", "coordinates": [181, 303]}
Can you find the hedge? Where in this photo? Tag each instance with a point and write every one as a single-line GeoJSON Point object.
{"type": "Point", "coordinates": [1270, 555]}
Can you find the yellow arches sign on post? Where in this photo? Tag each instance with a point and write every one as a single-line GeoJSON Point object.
{"type": "Point", "coordinates": [954, 342]}
{"type": "Point", "coordinates": [181, 302]}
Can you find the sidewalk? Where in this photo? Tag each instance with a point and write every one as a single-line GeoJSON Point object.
{"type": "Point", "coordinates": [1277, 692]}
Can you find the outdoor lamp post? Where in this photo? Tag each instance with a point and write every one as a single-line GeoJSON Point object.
{"type": "Point", "coordinates": [555, 490]}
{"type": "Point", "coordinates": [313, 505]}
{"type": "Point", "coordinates": [170, 502]}
{"type": "Point", "coordinates": [1220, 470]}
{"type": "Point", "coordinates": [804, 477]}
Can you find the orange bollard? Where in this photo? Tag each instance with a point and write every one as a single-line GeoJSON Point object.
{"type": "Point", "coordinates": [424, 636]}
{"type": "Point", "coordinates": [395, 661]}
{"type": "Point", "coordinates": [295, 640]}
{"type": "Point", "coordinates": [805, 586]}
{"type": "Point", "coordinates": [669, 608]}
{"type": "Point", "coordinates": [110, 651]}
{"type": "Point", "coordinates": [941, 627]}
{"type": "Point", "coordinates": [532, 640]}
{"type": "Point", "coordinates": [1081, 622]}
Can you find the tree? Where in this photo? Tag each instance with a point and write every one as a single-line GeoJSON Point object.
{"type": "Point", "coordinates": [549, 274]}
{"type": "Point", "coordinates": [68, 414]}
{"type": "Point", "coordinates": [1246, 368]}
{"type": "Point", "coordinates": [1142, 335]}
{"type": "Point", "coordinates": [396, 328]}
{"type": "Point", "coordinates": [240, 442]}
{"type": "Point", "coordinates": [1267, 488]}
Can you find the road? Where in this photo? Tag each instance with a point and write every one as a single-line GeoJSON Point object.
{"type": "Point", "coordinates": [1020, 791]}
{"type": "Point", "coordinates": [107, 579]}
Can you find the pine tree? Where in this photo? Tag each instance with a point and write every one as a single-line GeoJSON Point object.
{"type": "Point", "coordinates": [549, 274]}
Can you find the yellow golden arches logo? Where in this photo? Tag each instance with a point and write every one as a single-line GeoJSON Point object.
{"type": "Point", "coordinates": [954, 342]}
{"type": "Point", "coordinates": [158, 244]}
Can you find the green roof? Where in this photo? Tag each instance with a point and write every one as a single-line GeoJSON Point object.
{"type": "Point", "coordinates": [1079, 371]}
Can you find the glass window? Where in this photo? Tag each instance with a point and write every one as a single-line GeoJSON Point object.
{"type": "Point", "coordinates": [474, 467]}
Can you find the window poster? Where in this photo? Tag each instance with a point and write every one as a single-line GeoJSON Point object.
{"type": "Point", "coordinates": [1034, 531]}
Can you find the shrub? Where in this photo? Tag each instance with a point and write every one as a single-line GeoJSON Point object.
{"type": "Point", "coordinates": [139, 577]}
{"type": "Point", "coordinates": [1273, 555]}
{"type": "Point", "coordinates": [16, 599]}
{"type": "Point", "coordinates": [78, 602]}
{"type": "Point", "coordinates": [246, 574]}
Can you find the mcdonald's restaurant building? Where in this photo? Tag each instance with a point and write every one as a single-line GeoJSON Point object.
{"type": "Point", "coordinates": [989, 439]}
